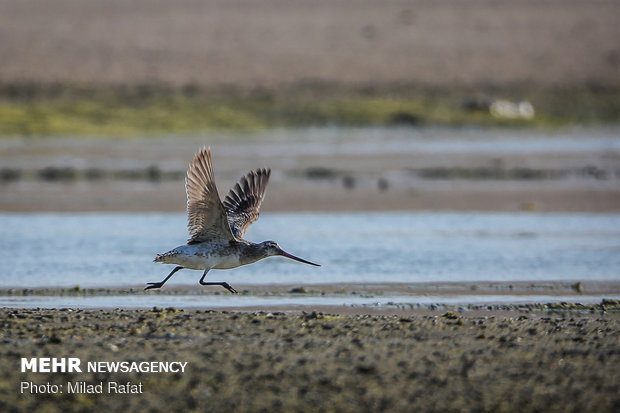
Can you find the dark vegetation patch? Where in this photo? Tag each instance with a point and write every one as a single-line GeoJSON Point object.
{"type": "Point", "coordinates": [517, 174]}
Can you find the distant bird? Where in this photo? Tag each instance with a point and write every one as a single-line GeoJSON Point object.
{"type": "Point", "coordinates": [216, 229]}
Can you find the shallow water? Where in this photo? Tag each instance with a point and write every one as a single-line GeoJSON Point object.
{"type": "Point", "coordinates": [286, 301]}
{"type": "Point", "coordinates": [111, 250]}
{"type": "Point", "coordinates": [283, 148]}
{"type": "Point", "coordinates": [376, 141]}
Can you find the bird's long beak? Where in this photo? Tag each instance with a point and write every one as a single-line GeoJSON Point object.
{"type": "Point", "coordinates": [291, 256]}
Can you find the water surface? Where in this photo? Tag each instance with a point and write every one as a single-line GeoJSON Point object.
{"type": "Point", "coordinates": [112, 250]}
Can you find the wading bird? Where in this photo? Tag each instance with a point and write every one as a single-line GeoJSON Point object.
{"type": "Point", "coordinates": [216, 229]}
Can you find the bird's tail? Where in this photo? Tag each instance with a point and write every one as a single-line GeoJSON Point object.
{"type": "Point", "coordinates": [162, 257]}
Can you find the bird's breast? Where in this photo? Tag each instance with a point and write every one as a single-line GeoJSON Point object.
{"type": "Point", "coordinates": [201, 256]}
{"type": "Point", "coordinates": [217, 256]}
{"type": "Point", "coordinates": [229, 260]}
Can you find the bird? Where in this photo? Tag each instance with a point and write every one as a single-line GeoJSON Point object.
{"type": "Point", "coordinates": [216, 228]}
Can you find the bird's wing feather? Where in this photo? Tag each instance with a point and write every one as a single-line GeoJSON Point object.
{"type": "Point", "coordinates": [206, 216]}
{"type": "Point", "coordinates": [243, 201]}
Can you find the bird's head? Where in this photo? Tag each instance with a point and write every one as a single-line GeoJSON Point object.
{"type": "Point", "coordinates": [271, 248]}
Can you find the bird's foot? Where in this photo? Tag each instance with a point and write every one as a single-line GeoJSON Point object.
{"type": "Point", "coordinates": [229, 288]}
{"type": "Point", "coordinates": [154, 285]}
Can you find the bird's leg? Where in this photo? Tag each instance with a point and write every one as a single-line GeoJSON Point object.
{"type": "Point", "coordinates": [161, 283]}
{"type": "Point", "coordinates": [223, 284]}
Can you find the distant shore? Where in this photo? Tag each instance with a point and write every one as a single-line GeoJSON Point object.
{"type": "Point", "coordinates": [275, 43]}
{"type": "Point", "coordinates": [112, 69]}
{"type": "Point", "coordinates": [33, 109]}
{"type": "Point", "coordinates": [324, 170]}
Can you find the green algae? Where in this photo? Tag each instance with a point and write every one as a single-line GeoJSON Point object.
{"type": "Point", "coordinates": [111, 112]}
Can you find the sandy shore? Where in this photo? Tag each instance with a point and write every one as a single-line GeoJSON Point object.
{"type": "Point", "coordinates": [318, 362]}
{"type": "Point", "coordinates": [240, 43]}
{"type": "Point", "coordinates": [324, 170]}
{"type": "Point", "coordinates": [169, 197]}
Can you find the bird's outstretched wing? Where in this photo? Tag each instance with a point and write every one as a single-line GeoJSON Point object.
{"type": "Point", "coordinates": [206, 216]}
{"type": "Point", "coordinates": [243, 201]}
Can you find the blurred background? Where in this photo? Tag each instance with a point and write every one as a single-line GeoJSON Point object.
{"type": "Point", "coordinates": [355, 104]}
{"type": "Point", "coordinates": [492, 124]}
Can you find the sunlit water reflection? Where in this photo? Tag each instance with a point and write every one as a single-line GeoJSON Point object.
{"type": "Point", "coordinates": [111, 250]}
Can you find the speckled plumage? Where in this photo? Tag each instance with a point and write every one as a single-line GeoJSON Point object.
{"type": "Point", "coordinates": [216, 229]}
{"type": "Point", "coordinates": [243, 201]}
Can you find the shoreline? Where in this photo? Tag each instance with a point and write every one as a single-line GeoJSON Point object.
{"type": "Point", "coordinates": [465, 196]}
{"type": "Point", "coordinates": [354, 298]}
{"type": "Point", "coordinates": [550, 287]}
{"type": "Point", "coordinates": [325, 170]}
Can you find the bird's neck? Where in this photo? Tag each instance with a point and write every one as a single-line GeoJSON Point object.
{"type": "Point", "coordinates": [252, 253]}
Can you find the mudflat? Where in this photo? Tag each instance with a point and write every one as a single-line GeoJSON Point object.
{"type": "Point", "coordinates": [279, 42]}
{"type": "Point", "coordinates": [324, 169]}
{"type": "Point", "coordinates": [319, 362]}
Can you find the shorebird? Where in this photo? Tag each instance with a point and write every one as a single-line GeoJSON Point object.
{"type": "Point", "coordinates": [216, 229]}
